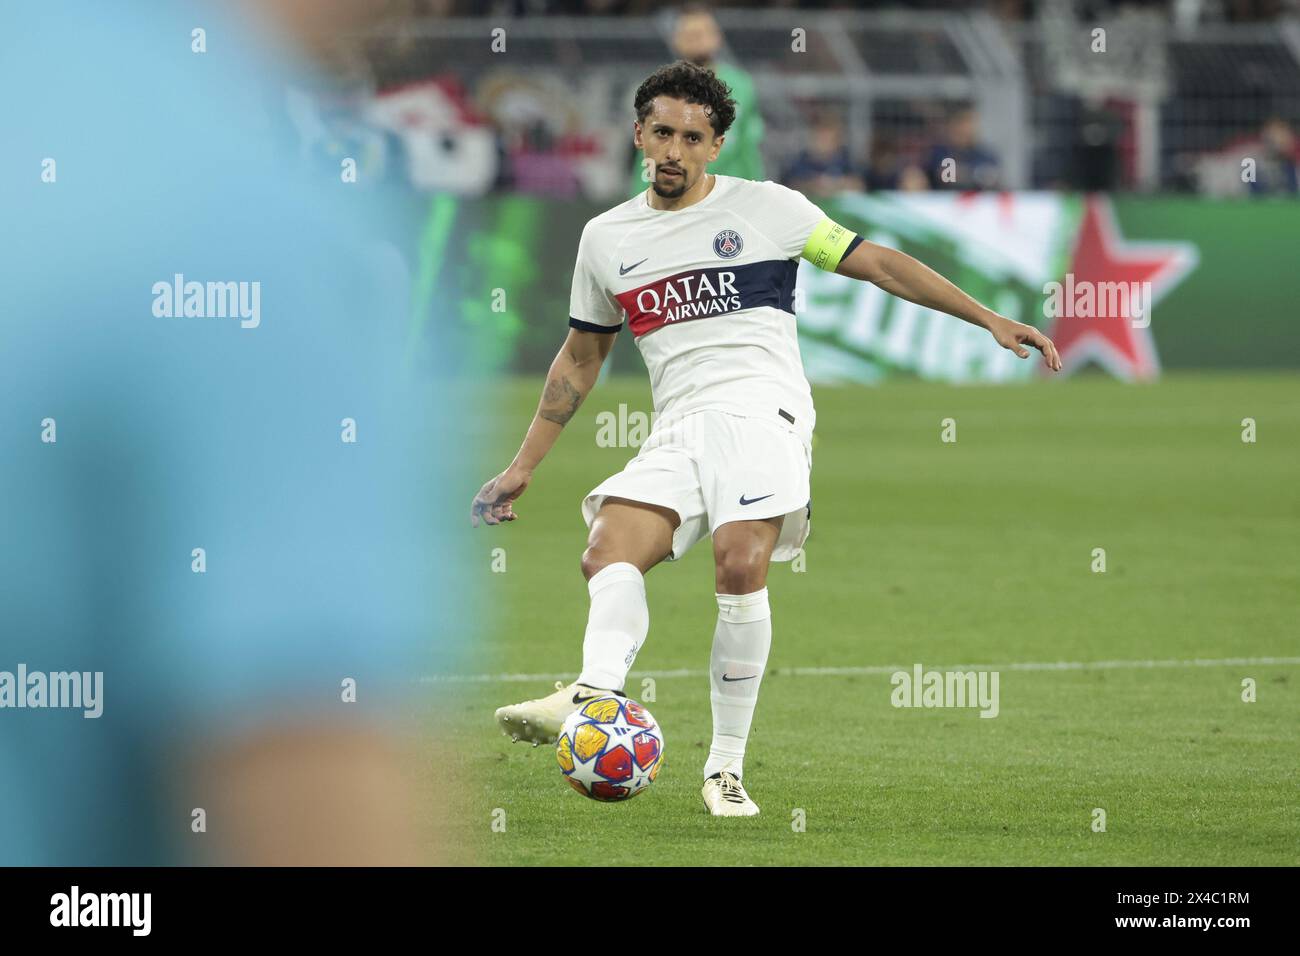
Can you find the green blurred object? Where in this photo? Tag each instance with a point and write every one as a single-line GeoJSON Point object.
{"type": "Point", "coordinates": [1229, 305]}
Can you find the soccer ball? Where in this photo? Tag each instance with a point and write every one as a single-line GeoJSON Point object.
{"type": "Point", "coordinates": [610, 749]}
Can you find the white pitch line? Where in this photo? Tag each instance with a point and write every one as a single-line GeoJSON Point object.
{"type": "Point", "coordinates": [885, 669]}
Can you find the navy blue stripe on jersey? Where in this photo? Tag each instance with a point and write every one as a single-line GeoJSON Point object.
{"type": "Point", "coordinates": [705, 293]}
{"type": "Point", "coordinates": [592, 326]}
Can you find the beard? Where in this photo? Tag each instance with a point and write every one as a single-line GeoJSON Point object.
{"type": "Point", "coordinates": [670, 192]}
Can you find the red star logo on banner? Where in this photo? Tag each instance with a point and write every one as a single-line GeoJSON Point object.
{"type": "Point", "coordinates": [1112, 334]}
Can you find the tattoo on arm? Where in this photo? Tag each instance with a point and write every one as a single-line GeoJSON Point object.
{"type": "Point", "coordinates": [559, 401]}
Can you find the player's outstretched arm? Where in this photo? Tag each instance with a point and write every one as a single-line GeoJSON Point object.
{"type": "Point", "coordinates": [898, 273]}
{"type": "Point", "coordinates": [571, 377]}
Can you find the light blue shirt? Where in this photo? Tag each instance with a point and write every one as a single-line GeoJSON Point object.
{"type": "Point", "coordinates": [325, 559]}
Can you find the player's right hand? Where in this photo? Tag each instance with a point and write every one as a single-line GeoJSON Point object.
{"type": "Point", "coordinates": [494, 502]}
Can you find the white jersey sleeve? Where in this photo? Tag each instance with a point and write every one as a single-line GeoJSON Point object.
{"type": "Point", "coordinates": [592, 307]}
{"type": "Point", "coordinates": [788, 218]}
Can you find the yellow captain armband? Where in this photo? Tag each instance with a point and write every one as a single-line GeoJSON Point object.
{"type": "Point", "coordinates": [829, 244]}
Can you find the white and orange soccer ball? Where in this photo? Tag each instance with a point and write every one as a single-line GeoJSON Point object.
{"type": "Point", "coordinates": [610, 749]}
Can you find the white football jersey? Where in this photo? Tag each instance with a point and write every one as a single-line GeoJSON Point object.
{"type": "Point", "coordinates": [708, 292]}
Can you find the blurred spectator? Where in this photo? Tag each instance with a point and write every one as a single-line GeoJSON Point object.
{"type": "Point", "coordinates": [825, 166]}
{"type": "Point", "coordinates": [889, 168]}
{"type": "Point", "coordinates": [959, 161]}
{"type": "Point", "coordinates": [543, 123]}
{"type": "Point", "coordinates": [697, 38]}
{"type": "Point", "coordinates": [912, 179]}
{"type": "Point", "coordinates": [1276, 169]}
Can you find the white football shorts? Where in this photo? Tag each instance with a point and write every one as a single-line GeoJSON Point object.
{"type": "Point", "coordinates": [712, 467]}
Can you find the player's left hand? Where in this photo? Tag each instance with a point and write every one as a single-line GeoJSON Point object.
{"type": "Point", "coordinates": [1016, 335]}
{"type": "Point", "coordinates": [494, 502]}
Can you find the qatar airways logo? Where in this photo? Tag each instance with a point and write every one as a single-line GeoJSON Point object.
{"type": "Point", "coordinates": [689, 297]}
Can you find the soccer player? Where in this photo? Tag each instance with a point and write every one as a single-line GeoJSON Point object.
{"type": "Point", "coordinates": [702, 270]}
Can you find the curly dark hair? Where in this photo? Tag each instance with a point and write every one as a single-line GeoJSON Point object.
{"type": "Point", "coordinates": [684, 80]}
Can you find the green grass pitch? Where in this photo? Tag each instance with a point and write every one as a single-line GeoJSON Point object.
{"type": "Point", "coordinates": [977, 552]}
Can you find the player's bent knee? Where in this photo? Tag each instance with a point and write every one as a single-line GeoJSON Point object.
{"type": "Point", "coordinates": [742, 570]}
{"type": "Point", "coordinates": [594, 559]}
{"type": "Point", "coordinates": [602, 549]}
{"type": "Point", "coordinates": [629, 531]}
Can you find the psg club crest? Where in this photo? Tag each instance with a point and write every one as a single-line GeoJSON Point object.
{"type": "Point", "coordinates": [727, 244]}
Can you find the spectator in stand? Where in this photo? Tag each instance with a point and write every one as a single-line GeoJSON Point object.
{"type": "Point", "coordinates": [825, 166]}
{"type": "Point", "coordinates": [697, 38]}
{"type": "Point", "coordinates": [1278, 168]}
{"type": "Point", "coordinates": [889, 168]}
{"type": "Point", "coordinates": [972, 166]}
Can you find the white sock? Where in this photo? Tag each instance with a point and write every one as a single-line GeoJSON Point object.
{"type": "Point", "coordinates": [740, 645]}
{"type": "Point", "coordinates": [616, 625]}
